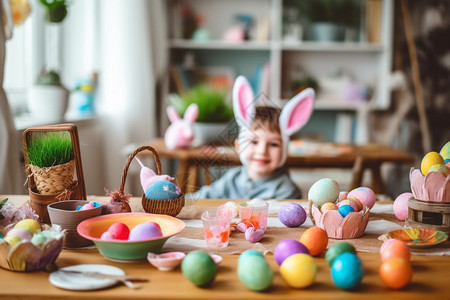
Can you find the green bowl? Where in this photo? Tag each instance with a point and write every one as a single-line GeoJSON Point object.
{"type": "Point", "coordinates": [93, 228]}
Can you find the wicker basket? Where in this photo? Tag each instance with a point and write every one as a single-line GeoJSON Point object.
{"type": "Point", "coordinates": [337, 227]}
{"type": "Point", "coordinates": [53, 180]}
{"type": "Point", "coordinates": [165, 207]}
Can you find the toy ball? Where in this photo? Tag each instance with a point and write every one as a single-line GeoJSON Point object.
{"type": "Point", "coordinates": [31, 225]}
{"type": "Point", "coordinates": [22, 233]}
{"type": "Point", "coordinates": [347, 271]}
{"type": "Point", "coordinates": [162, 190]}
{"type": "Point", "coordinates": [199, 268]}
{"type": "Point", "coordinates": [440, 169]}
{"type": "Point", "coordinates": [145, 231]}
{"type": "Point", "coordinates": [328, 206]}
{"type": "Point", "coordinates": [365, 195]}
{"type": "Point", "coordinates": [396, 272]}
{"type": "Point", "coordinates": [430, 159]}
{"type": "Point", "coordinates": [292, 214]}
{"type": "Point", "coordinates": [344, 210]}
{"type": "Point", "coordinates": [336, 250]}
{"type": "Point", "coordinates": [350, 202]}
{"type": "Point", "coordinates": [400, 206]}
{"type": "Point", "coordinates": [395, 248]}
{"type": "Point", "coordinates": [324, 190]}
{"type": "Point", "coordinates": [299, 270]}
{"type": "Point", "coordinates": [119, 231]}
{"type": "Point", "coordinates": [315, 239]}
{"type": "Point", "coordinates": [445, 152]}
{"type": "Point", "coordinates": [248, 253]}
{"type": "Point", "coordinates": [286, 248]}
{"type": "Point", "coordinates": [255, 273]}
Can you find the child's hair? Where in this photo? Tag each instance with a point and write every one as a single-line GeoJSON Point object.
{"type": "Point", "coordinates": [267, 117]}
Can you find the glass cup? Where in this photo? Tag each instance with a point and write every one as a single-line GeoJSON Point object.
{"type": "Point", "coordinates": [254, 216]}
{"type": "Point", "coordinates": [216, 228]}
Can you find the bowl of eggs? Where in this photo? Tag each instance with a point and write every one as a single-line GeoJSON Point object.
{"type": "Point", "coordinates": [27, 246]}
{"type": "Point", "coordinates": [129, 236]}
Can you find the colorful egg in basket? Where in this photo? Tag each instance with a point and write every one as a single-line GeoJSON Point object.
{"type": "Point", "coordinates": [124, 250]}
{"type": "Point", "coordinates": [27, 257]}
{"type": "Point", "coordinates": [338, 227]}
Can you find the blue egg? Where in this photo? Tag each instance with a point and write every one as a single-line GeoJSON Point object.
{"type": "Point", "coordinates": [347, 271]}
{"type": "Point", "coordinates": [344, 210]}
{"type": "Point", "coordinates": [162, 190]}
{"type": "Point", "coordinates": [248, 253]}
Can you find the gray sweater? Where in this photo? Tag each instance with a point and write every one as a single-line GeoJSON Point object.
{"type": "Point", "coordinates": [235, 184]}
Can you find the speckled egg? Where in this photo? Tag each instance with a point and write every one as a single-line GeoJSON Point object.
{"type": "Point", "coordinates": [162, 190]}
{"type": "Point", "coordinates": [255, 273]}
{"type": "Point", "coordinates": [344, 210]}
{"type": "Point", "coordinates": [288, 247]}
{"type": "Point", "coordinates": [430, 159]}
{"type": "Point", "coordinates": [199, 268]}
{"type": "Point", "coordinates": [299, 270]}
{"type": "Point", "coordinates": [400, 206]}
{"type": "Point", "coordinates": [324, 190]}
{"type": "Point", "coordinates": [365, 195]}
{"type": "Point", "coordinates": [347, 271]}
{"type": "Point", "coordinates": [144, 231]}
{"type": "Point", "coordinates": [445, 152]}
{"type": "Point", "coordinates": [292, 214]}
{"type": "Point", "coordinates": [328, 206]}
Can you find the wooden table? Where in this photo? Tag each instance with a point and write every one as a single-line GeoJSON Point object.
{"type": "Point", "coordinates": [358, 158]}
{"type": "Point", "coordinates": [430, 280]}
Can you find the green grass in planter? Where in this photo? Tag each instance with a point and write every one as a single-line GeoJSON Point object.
{"type": "Point", "coordinates": [50, 149]}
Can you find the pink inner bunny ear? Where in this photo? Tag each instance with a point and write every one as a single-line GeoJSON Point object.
{"type": "Point", "coordinates": [173, 115]}
{"type": "Point", "coordinates": [243, 100]}
{"type": "Point", "coordinates": [297, 111]}
{"type": "Point", "coordinates": [191, 113]}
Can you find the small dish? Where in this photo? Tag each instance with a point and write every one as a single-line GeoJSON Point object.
{"type": "Point", "coordinates": [80, 282]}
{"type": "Point", "coordinates": [165, 261]}
{"type": "Point", "coordinates": [419, 237]}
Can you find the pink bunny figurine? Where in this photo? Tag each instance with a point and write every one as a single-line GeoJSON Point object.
{"type": "Point", "coordinates": [180, 133]}
{"type": "Point", "coordinates": [148, 176]}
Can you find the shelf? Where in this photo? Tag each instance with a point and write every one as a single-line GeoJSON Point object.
{"type": "Point", "coordinates": [331, 47]}
{"type": "Point", "coordinates": [218, 45]}
{"type": "Point", "coordinates": [320, 104]}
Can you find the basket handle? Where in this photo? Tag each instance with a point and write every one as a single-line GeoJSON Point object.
{"type": "Point", "coordinates": [130, 159]}
{"type": "Point", "coordinates": [310, 215]}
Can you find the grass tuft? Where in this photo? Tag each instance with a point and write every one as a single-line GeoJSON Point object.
{"type": "Point", "coordinates": [47, 149]}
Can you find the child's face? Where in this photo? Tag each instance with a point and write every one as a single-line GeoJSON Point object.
{"type": "Point", "coordinates": [263, 152]}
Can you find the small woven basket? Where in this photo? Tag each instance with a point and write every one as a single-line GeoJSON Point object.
{"type": "Point", "coordinates": [55, 179]}
{"type": "Point", "coordinates": [165, 207]}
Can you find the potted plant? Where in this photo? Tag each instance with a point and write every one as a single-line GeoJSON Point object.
{"type": "Point", "coordinates": [48, 99]}
{"type": "Point", "coordinates": [215, 112]}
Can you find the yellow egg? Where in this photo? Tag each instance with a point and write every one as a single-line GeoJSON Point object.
{"type": "Point", "coordinates": [439, 168]}
{"type": "Point", "coordinates": [299, 270]}
{"type": "Point", "coordinates": [31, 225]}
{"type": "Point", "coordinates": [12, 239]}
{"type": "Point", "coordinates": [432, 158]}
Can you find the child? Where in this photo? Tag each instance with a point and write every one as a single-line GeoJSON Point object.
{"type": "Point", "coordinates": [262, 146]}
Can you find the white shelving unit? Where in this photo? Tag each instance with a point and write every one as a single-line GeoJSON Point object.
{"type": "Point", "coordinates": [369, 63]}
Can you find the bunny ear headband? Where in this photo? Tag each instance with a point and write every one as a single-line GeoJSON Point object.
{"type": "Point", "coordinates": [294, 115]}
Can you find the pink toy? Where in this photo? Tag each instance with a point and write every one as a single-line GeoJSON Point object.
{"type": "Point", "coordinates": [365, 195]}
{"type": "Point", "coordinates": [148, 176]}
{"type": "Point", "coordinates": [400, 206]}
{"type": "Point", "coordinates": [294, 115]}
{"type": "Point", "coordinates": [180, 133]}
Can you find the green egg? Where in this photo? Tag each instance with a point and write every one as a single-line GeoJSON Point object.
{"type": "Point", "coordinates": [337, 249]}
{"type": "Point", "coordinates": [199, 268]}
{"type": "Point", "coordinates": [255, 273]}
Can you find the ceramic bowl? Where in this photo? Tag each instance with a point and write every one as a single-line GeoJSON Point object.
{"type": "Point", "coordinates": [165, 261]}
{"type": "Point", "coordinates": [419, 237]}
{"type": "Point", "coordinates": [120, 250]}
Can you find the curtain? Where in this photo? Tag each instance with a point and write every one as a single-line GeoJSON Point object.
{"type": "Point", "coordinates": [132, 63]}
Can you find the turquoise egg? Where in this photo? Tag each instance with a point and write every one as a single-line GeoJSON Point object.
{"type": "Point", "coordinates": [162, 190]}
{"type": "Point", "coordinates": [248, 253]}
{"type": "Point", "coordinates": [344, 210]}
{"type": "Point", "coordinates": [255, 273]}
{"type": "Point", "coordinates": [347, 271]}
{"type": "Point", "coordinates": [445, 152]}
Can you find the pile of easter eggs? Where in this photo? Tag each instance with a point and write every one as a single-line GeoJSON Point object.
{"type": "Point", "coordinates": [347, 269]}
{"type": "Point", "coordinates": [437, 162]}
{"type": "Point", "coordinates": [29, 230]}
{"type": "Point", "coordinates": [325, 193]}
{"type": "Point", "coordinates": [395, 271]}
{"type": "Point", "coordinates": [143, 231]}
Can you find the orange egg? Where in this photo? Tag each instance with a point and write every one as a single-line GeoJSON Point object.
{"type": "Point", "coordinates": [396, 272]}
{"type": "Point", "coordinates": [394, 248]}
{"type": "Point", "coordinates": [315, 239]}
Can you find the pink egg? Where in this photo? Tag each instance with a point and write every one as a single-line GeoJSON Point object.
{"type": "Point", "coordinates": [87, 206]}
{"type": "Point", "coordinates": [119, 231]}
{"type": "Point", "coordinates": [386, 243]}
{"type": "Point", "coordinates": [328, 206]}
{"type": "Point", "coordinates": [22, 233]}
{"type": "Point", "coordinates": [145, 231]}
{"type": "Point", "coordinates": [401, 206]}
{"type": "Point", "coordinates": [342, 196]}
{"type": "Point", "coordinates": [107, 236]}
{"type": "Point", "coordinates": [365, 195]}
{"type": "Point", "coordinates": [350, 202]}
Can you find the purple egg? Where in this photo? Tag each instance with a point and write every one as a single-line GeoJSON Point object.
{"type": "Point", "coordinates": [286, 248]}
{"type": "Point", "coordinates": [144, 231]}
{"type": "Point", "coordinates": [292, 214]}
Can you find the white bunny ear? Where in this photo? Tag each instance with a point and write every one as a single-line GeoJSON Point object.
{"type": "Point", "coordinates": [243, 101]}
{"type": "Point", "coordinates": [191, 113]}
{"type": "Point", "coordinates": [173, 115]}
{"type": "Point", "coordinates": [296, 112]}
